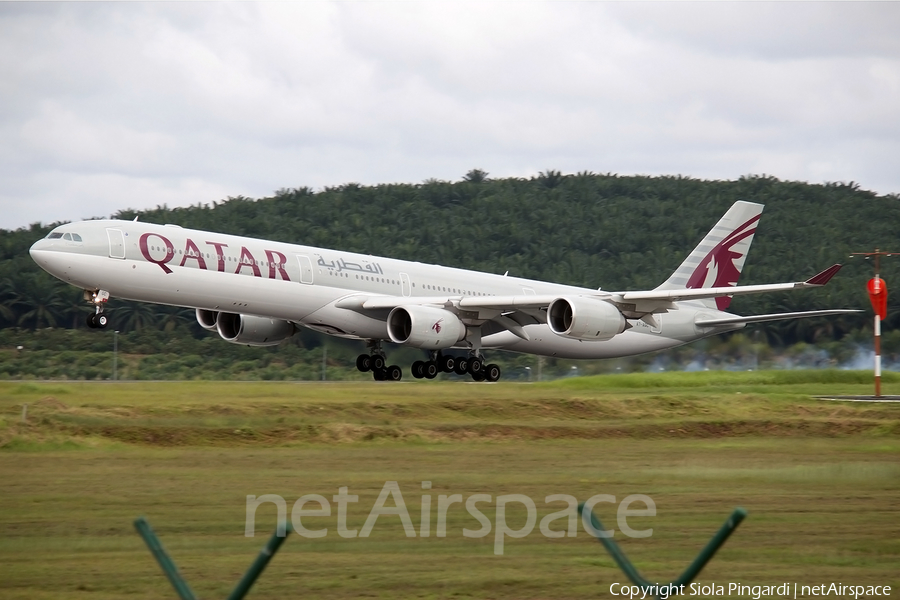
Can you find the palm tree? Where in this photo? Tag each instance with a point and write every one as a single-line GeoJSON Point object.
{"type": "Point", "coordinates": [135, 316]}
{"type": "Point", "coordinates": [7, 301]}
{"type": "Point", "coordinates": [38, 297]}
{"type": "Point", "coordinates": [172, 317]}
{"type": "Point", "coordinates": [476, 176]}
{"type": "Point", "coordinates": [550, 178]}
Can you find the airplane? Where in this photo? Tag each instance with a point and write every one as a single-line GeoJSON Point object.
{"type": "Point", "coordinates": [257, 293]}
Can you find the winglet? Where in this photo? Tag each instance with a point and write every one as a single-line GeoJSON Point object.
{"type": "Point", "coordinates": [823, 277]}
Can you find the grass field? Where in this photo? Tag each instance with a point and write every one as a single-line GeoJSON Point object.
{"type": "Point", "coordinates": [820, 480]}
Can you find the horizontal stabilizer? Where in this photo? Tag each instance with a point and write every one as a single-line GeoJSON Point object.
{"type": "Point", "coordinates": [776, 317]}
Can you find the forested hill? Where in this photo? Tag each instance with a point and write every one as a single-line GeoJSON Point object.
{"type": "Point", "coordinates": [586, 229]}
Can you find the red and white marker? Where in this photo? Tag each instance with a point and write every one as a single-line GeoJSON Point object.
{"type": "Point", "coordinates": [878, 296]}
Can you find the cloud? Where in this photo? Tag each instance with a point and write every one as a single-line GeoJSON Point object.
{"type": "Point", "coordinates": [131, 105]}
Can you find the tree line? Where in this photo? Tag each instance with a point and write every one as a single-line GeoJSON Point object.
{"type": "Point", "coordinates": [593, 230]}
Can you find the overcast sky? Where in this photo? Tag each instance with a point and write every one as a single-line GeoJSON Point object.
{"type": "Point", "coordinates": [105, 107]}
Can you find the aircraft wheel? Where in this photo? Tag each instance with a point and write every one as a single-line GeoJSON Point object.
{"type": "Point", "coordinates": [393, 373]}
{"type": "Point", "coordinates": [418, 369]}
{"type": "Point", "coordinates": [377, 362]}
{"type": "Point", "coordinates": [492, 373]}
{"type": "Point", "coordinates": [363, 362]}
{"type": "Point", "coordinates": [479, 376]}
{"type": "Point", "coordinates": [101, 320]}
{"type": "Point", "coordinates": [430, 370]}
{"type": "Point", "coordinates": [446, 363]}
{"type": "Point", "coordinates": [378, 374]}
{"type": "Point", "coordinates": [475, 366]}
{"type": "Point", "coordinates": [90, 321]}
{"type": "Point", "coordinates": [462, 366]}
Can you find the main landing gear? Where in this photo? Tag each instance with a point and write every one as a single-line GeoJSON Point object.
{"type": "Point", "coordinates": [97, 320]}
{"type": "Point", "coordinates": [438, 363]}
{"type": "Point", "coordinates": [374, 361]}
{"type": "Point", "coordinates": [461, 365]}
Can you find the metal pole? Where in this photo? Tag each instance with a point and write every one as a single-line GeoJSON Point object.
{"type": "Point", "coordinates": [756, 350]}
{"type": "Point", "coordinates": [877, 334]}
{"type": "Point", "coordinates": [181, 586]}
{"type": "Point", "coordinates": [588, 517]}
{"type": "Point", "coordinates": [168, 566]}
{"type": "Point", "coordinates": [877, 356]}
{"type": "Point", "coordinates": [259, 565]}
{"type": "Point", "coordinates": [877, 326]}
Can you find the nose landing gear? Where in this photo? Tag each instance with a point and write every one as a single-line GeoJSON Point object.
{"type": "Point", "coordinates": [97, 321]}
{"type": "Point", "coordinates": [98, 298]}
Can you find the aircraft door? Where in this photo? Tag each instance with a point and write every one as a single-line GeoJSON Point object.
{"type": "Point", "coordinates": [116, 243]}
{"type": "Point", "coordinates": [306, 269]}
{"type": "Point", "coordinates": [405, 286]}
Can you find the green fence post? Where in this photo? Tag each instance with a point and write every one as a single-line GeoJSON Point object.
{"type": "Point", "coordinates": [259, 565]}
{"type": "Point", "coordinates": [159, 553]}
{"type": "Point", "coordinates": [689, 574]}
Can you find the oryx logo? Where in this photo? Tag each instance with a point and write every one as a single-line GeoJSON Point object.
{"type": "Point", "coordinates": [437, 326]}
{"type": "Point", "coordinates": [718, 269]}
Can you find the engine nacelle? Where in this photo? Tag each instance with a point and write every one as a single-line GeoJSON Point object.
{"type": "Point", "coordinates": [207, 319]}
{"type": "Point", "coordinates": [585, 319]}
{"type": "Point", "coordinates": [425, 327]}
{"type": "Point", "coordinates": [253, 331]}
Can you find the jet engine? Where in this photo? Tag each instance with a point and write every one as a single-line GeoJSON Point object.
{"type": "Point", "coordinates": [207, 319]}
{"type": "Point", "coordinates": [585, 319]}
{"type": "Point", "coordinates": [252, 331]}
{"type": "Point", "coordinates": [425, 327]}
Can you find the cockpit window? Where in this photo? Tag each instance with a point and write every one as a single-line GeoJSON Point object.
{"type": "Point", "coordinates": [68, 236]}
{"type": "Point", "coordinates": [54, 236]}
{"type": "Point", "coordinates": [76, 237]}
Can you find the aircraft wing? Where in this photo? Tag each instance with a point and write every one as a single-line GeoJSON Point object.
{"type": "Point", "coordinates": [673, 295]}
{"type": "Point", "coordinates": [776, 317]}
{"type": "Point", "coordinates": [515, 311]}
{"type": "Point", "coordinates": [509, 312]}
{"type": "Point", "coordinates": [525, 301]}
{"type": "Point", "coordinates": [470, 302]}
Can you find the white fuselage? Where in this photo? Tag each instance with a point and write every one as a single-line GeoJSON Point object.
{"type": "Point", "coordinates": [311, 286]}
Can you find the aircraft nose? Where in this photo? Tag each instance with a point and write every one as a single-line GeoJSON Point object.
{"type": "Point", "coordinates": [36, 248]}
{"type": "Point", "coordinates": [40, 252]}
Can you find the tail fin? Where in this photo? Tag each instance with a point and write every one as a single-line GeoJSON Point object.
{"type": "Point", "coordinates": [718, 260]}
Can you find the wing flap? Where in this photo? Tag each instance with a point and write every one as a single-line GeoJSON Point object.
{"type": "Point", "coordinates": [465, 302]}
{"type": "Point", "coordinates": [775, 317]}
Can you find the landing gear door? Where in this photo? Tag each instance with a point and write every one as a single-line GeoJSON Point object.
{"type": "Point", "coordinates": [116, 243]}
{"type": "Point", "coordinates": [306, 269]}
{"type": "Point", "coordinates": [405, 286]}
